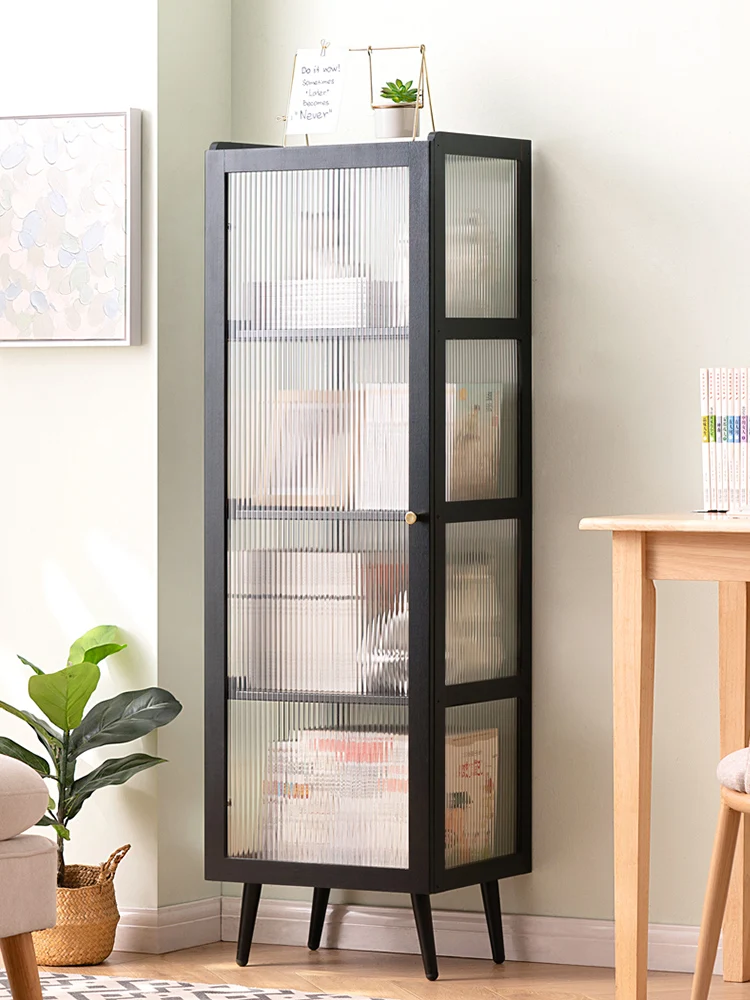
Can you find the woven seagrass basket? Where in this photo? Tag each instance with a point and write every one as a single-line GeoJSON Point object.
{"type": "Point", "coordinates": [87, 916]}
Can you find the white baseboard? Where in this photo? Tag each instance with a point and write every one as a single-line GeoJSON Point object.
{"type": "Point", "coordinates": [555, 940]}
{"type": "Point", "coordinates": [169, 928]}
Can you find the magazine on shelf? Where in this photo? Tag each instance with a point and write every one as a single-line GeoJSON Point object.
{"type": "Point", "coordinates": [472, 440]}
{"type": "Point", "coordinates": [471, 763]}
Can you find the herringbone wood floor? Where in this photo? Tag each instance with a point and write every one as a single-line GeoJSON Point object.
{"type": "Point", "coordinates": [397, 977]}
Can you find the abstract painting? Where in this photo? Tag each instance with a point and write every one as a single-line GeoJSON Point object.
{"type": "Point", "coordinates": [69, 229]}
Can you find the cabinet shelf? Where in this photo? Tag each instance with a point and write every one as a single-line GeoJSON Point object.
{"type": "Point", "coordinates": [237, 333]}
{"type": "Point", "coordinates": [235, 692]}
{"type": "Point", "coordinates": [238, 510]}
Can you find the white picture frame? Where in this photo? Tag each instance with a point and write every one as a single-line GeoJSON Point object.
{"type": "Point", "coordinates": [61, 297]}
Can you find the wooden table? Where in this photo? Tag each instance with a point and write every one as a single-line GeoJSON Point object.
{"type": "Point", "coordinates": [671, 547]}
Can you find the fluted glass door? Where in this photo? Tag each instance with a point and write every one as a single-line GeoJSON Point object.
{"type": "Point", "coordinates": [318, 478]}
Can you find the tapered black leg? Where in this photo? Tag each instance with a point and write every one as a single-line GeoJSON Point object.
{"type": "Point", "coordinates": [250, 900]}
{"type": "Point", "coordinates": [317, 917]}
{"type": "Point", "coordinates": [423, 918]}
{"type": "Point", "coordinates": [491, 900]}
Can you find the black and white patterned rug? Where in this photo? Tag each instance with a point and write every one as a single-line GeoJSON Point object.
{"type": "Point", "coordinates": [63, 986]}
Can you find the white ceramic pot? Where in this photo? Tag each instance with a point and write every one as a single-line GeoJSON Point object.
{"type": "Point", "coordinates": [396, 121]}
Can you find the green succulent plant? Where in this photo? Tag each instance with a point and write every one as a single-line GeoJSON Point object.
{"type": "Point", "coordinates": [399, 92]}
{"type": "Point", "coordinates": [62, 696]}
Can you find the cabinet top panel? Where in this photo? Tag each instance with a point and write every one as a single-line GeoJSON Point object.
{"type": "Point", "coordinates": [249, 156]}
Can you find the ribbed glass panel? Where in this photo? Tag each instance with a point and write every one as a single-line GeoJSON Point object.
{"type": "Point", "coordinates": [318, 606]}
{"type": "Point", "coordinates": [480, 237]}
{"type": "Point", "coordinates": [481, 414]}
{"type": "Point", "coordinates": [480, 781]}
{"type": "Point", "coordinates": [317, 568]}
{"type": "Point", "coordinates": [481, 600]}
{"type": "Point", "coordinates": [323, 783]}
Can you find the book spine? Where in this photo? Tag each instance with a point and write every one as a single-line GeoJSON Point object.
{"type": "Point", "coordinates": [724, 412]}
{"type": "Point", "coordinates": [712, 436]}
{"type": "Point", "coordinates": [705, 440]}
{"type": "Point", "coordinates": [719, 442]}
{"type": "Point", "coordinates": [737, 457]}
{"type": "Point", "coordinates": [730, 438]}
{"type": "Point", "coordinates": [743, 438]}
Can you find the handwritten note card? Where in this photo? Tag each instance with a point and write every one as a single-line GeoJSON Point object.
{"type": "Point", "coordinates": [317, 89]}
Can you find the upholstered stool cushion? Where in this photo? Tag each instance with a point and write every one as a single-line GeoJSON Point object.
{"type": "Point", "coordinates": [734, 770]}
{"type": "Point", "coordinates": [23, 797]}
{"type": "Point", "coordinates": [28, 880]}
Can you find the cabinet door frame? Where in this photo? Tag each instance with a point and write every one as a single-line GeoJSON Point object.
{"type": "Point", "coordinates": [221, 161]}
{"type": "Point", "coordinates": [518, 508]}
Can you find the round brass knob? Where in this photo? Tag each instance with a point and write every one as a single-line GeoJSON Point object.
{"type": "Point", "coordinates": [410, 517]}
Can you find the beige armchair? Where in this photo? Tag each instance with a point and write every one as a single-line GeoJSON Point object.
{"type": "Point", "coordinates": [27, 875]}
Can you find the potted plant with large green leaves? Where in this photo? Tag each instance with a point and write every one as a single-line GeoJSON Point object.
{"type": "Point", "coordinates": [87, 913]}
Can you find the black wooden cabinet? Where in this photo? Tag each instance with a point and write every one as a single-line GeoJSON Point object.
{"type": "Point", "coordinates": [368, 520]}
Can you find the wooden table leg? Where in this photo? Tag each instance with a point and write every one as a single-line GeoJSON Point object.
{"type": "Point", "coordinates": [633, 633]}
{"type": "Point", "coordinates": [734, 703]}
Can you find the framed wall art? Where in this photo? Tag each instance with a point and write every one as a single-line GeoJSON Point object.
{"type": "Point", "coordinates": [70, 230]}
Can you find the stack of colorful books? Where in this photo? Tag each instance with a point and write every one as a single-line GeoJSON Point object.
{"type": "Point", "coordinates": [724, 403]}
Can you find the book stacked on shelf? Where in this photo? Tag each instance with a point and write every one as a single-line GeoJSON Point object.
{"type": "Point", "coordinates": [318, 621]}
{"type": "Point", "coordinates": [724, 412]}
{"type": "Point", "coordinates": [346, 303]}
{"type": "Point", "coordinates": [322, 790]}
{"type": "Point", "coordinates": [295, 620]}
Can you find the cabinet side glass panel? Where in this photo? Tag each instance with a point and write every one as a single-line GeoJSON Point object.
{"type": "Point", "coordinates": [481, 600]}
{"type": "Point", "coordinates": [481, 262]}
{"type": "Point", "coordinates": [480, 781]}
{"type": "Point", "coordinates": [317, 567]}
{"type": "Point", "coordinates": [481, 414]}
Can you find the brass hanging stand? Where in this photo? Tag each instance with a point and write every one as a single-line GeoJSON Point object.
{"type": "Point", "coordinates": [423, 83]}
